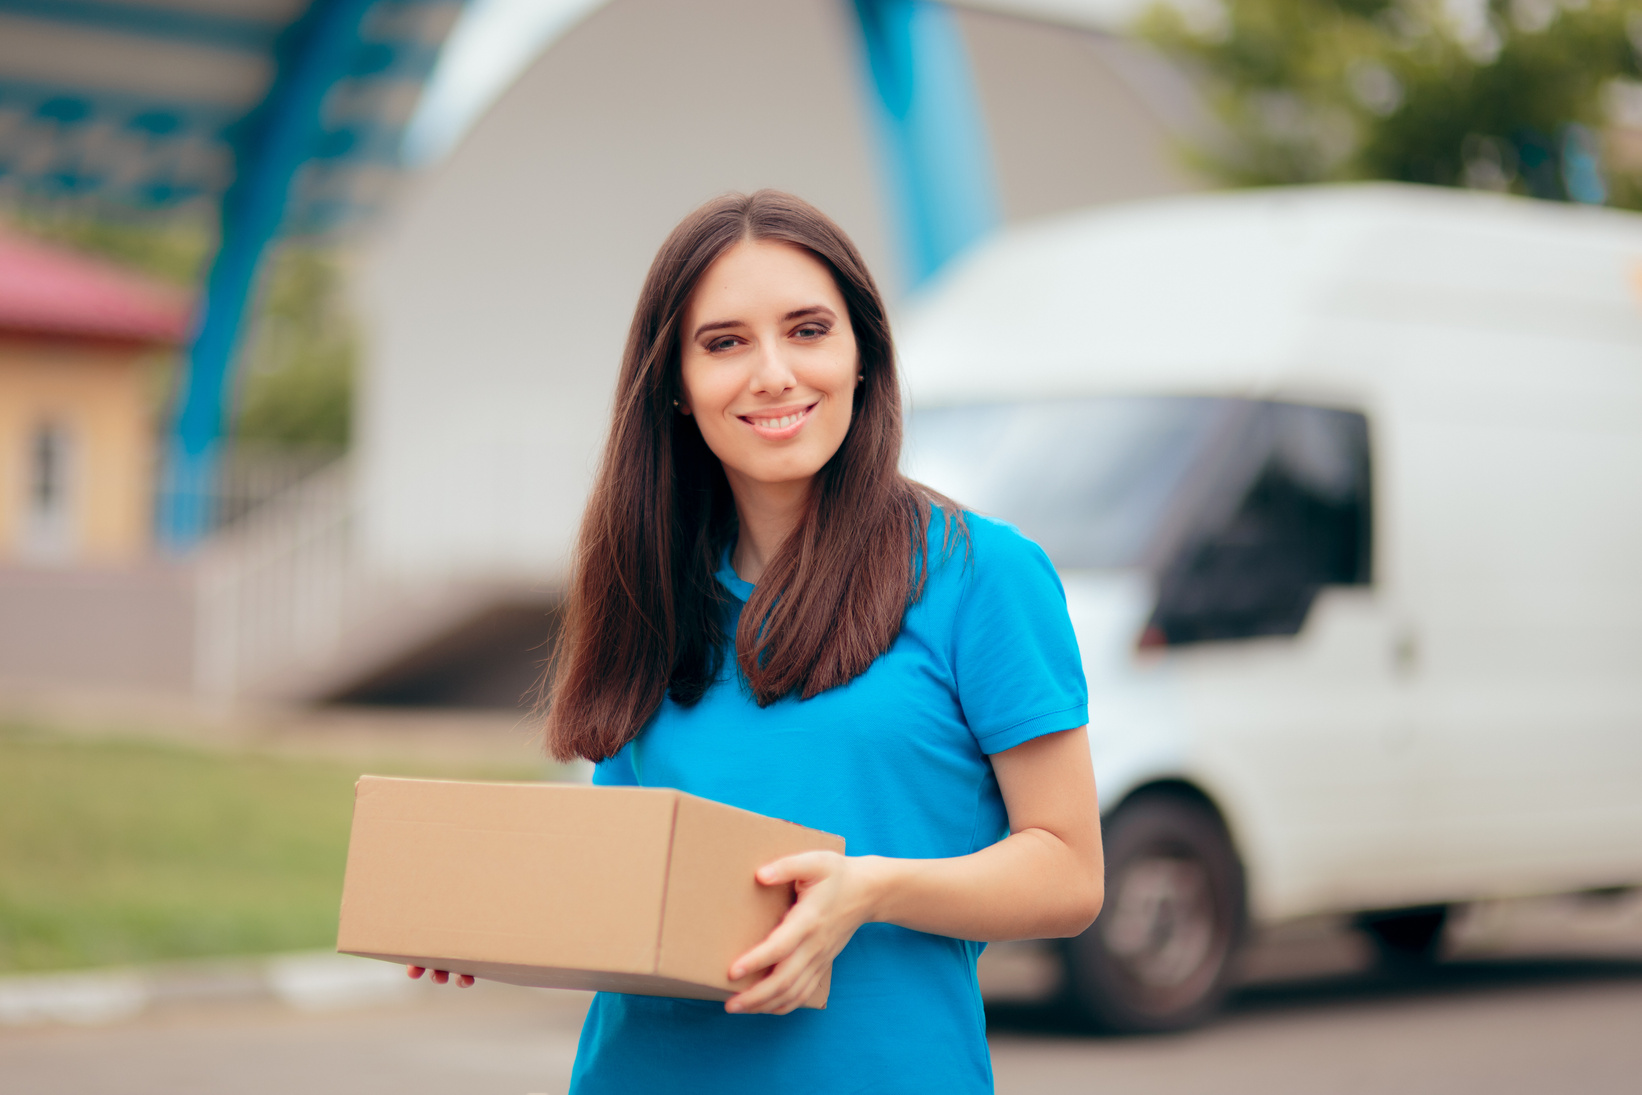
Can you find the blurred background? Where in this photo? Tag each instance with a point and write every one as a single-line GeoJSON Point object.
{"type": "Point", "coordinates": [1305, 334]}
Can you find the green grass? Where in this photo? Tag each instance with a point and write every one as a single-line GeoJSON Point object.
{"type": "Point", "coordinates": [115, 851]}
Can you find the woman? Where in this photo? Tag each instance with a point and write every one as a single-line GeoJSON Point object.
{"type": "Point", "coordinates": [766, 613]}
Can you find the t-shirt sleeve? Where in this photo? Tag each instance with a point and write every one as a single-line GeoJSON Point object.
{"type": "Point", "coordinates": [617, 771]}
{"type": "Point", "coordinates": [1015, 656]}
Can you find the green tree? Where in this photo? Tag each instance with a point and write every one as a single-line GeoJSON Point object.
{"type": "Point", "coordinates": [296, 388]}
{"type": "Point", "coordinates": [1507, 94]}
{"type": "Point", "coordinates": [174, 249]}
{"type": "Point", "coordinates": [296, 365]}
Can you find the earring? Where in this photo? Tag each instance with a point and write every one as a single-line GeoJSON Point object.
{"type": "Point", "coordinates": [675, 402]}
{"type": "Point", "coordinates": [860, 376]}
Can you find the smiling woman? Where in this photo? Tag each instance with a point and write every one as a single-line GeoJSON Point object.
{"type": "Point", "coordinates": [772, 388]}
{"type": "Point", "coordinates": [814, 510]}
{"type": "Point", "coordinates": [766, 613]}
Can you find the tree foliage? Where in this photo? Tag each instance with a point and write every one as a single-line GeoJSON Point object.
{"type": "Point", "coordinates": [174, 249]}
{"type": "Point", "coordinates": [296, 361]}
{"type": "Point", "coordinates": [1503, 94]}
{"type": "Point", "coordinates": [296, 389]}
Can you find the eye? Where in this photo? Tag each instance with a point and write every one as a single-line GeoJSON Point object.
{"type": "Point", "coordinates": [718, 344]}
{"type": "Point", "coordinates": [811, 330]}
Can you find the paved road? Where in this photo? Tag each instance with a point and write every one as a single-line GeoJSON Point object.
{"type": "Point", "coordinates": [1503, 1028]}
{"type": "Point", "coordinates": [1500, 1027]}
{"type": "Point", "coordinates": [1541, 998]}
{"type": "Point", "coordinates": [492, 1040]}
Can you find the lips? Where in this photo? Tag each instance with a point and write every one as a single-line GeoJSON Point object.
{"type": "Point", "coordinates": [778, 426]}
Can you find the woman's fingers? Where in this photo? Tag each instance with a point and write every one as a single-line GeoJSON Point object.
{"type": "Point", "coordinates": [784, 991]}
{"type": "Point", "coordinates": [440, 977]}
{"type": "Point", "coordinates": [778, 985]}
{"type": "Point", "coordinates": [758, 997]}
{"type": "Point", "coordinates": [782, 941]}
{"type": "Point", "coordinates": [796, 952]}
{"type": "Point", "coordinates": [800, 992]}
{"type": "Point", "coordinates": [803, 867]}
{"type": "Point", "coordinates": [790, 998]}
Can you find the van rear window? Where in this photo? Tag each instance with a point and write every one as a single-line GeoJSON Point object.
{"type": "Point", "coordinates": [1240, 509]}
{"type": "Point", "coordinates": [1091, 480]}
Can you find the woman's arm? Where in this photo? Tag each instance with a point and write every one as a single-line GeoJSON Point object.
{"type": "Point", "coordinates": [1045, 879]}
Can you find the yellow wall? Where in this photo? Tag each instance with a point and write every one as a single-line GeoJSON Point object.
{"type": "Point", "coordinates": [98, 393]}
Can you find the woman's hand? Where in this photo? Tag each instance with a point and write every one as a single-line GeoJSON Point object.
{"type": "Point", "coordinates": [463, 980]}
{"type": "Point", "coordinates": [835, 896]}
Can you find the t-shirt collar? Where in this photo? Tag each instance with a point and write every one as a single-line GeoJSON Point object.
{"type": "Point", "coordinates": [740, 589]}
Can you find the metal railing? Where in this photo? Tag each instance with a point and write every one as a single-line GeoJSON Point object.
{"type": "Point", "coordinates": [279, 586]}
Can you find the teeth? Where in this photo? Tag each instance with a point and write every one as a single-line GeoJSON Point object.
{"type": "Point", "coordinates": [777, 423]}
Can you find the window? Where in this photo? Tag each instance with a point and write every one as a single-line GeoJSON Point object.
{"type": "Point", "coordinates": [1093, 481]}
{"type": "Point", "coordinates": [1241, 510]}
{"type": "Point", "coordinates": [1300, 521]}
{"type": "Point", "coordinates": [48, 520]}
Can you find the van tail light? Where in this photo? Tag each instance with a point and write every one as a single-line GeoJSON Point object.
{"type": "Point", "coordinates": [1152, 638]}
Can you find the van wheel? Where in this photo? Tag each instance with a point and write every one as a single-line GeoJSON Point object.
{"type": "Point", "coordinates": [1159, 956]}
{"type": "Point", "coordinates": [1406, 940]}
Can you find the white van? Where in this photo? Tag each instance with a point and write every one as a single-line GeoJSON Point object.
{"type": "Point", "coordinates": [1345, 488]}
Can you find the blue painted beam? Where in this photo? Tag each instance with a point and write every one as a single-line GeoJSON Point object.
{"type": "Point", "coordinates": [932, 138]}
{"type": "Point", "coordinates": [313, 56]}
{"type": "Point", "coordinates": [200, 28]}
{"type": "Point", "coordinates": [45, 155]}
{"type": "Point", "coordinates": [40, 154]}
{"type": "Point", "coordinates": [105, 104]}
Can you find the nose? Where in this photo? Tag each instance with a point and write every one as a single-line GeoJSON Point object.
{"type": "Point", "coordinates": [772, 374]}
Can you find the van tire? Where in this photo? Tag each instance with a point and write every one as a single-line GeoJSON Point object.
{"type": "Point", "coordinates": [1160, 955]}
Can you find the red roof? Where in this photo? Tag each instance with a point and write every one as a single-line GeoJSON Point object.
{"type": "Point", "coordinates": [50, 290]}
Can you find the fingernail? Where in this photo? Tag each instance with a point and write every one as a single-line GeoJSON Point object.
{"type": "Point", "coordinates": [735, 973]}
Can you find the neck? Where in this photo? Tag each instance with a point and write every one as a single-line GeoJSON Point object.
{"type": "Point", "coordinates": [767, 513]}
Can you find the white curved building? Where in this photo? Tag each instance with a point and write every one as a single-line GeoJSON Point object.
{"type": "Point", "coordinates": [498, 294]}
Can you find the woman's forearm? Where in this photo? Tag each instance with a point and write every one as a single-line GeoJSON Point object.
{"type": "Point", "coordinates": [1031, 885]}
{"type": "Point", "coordinates": [1044, 880]}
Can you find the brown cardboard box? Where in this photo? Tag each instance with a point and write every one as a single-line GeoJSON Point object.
{"type": "Point", "coordinates": [628, 889]}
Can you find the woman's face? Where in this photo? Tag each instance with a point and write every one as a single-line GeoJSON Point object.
{"type": "Point", "coordinates": [769, 362]}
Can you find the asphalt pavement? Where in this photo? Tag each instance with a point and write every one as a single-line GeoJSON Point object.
{"type": "Point", "coordinates": [1536, 996]}
{"type": "Point", "coordinates": [1500, 1028]}
{"type": "Point", "coordinates": [1512, 1012]}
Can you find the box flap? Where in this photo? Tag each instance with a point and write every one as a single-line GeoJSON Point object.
{"type": "Point", "coordinates": [716, 910]}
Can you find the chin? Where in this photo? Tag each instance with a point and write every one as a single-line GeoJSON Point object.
{"type": "Point", "coordinates": [776, 474]}
{"type": "Point", "coordinates": [774, 479]}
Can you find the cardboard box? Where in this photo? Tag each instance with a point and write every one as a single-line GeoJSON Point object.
{"type": "Point", "coordinates": [626, 889]}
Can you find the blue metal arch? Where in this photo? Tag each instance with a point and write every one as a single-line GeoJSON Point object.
{"type": "Point", "coordinates": [925, 113]}
{"type": "Point", "coordinates": [313, 55]}
{"type": "Point", "coordinates": [282, 164]}
{"type": "Point", "coordinates": [931, 135]}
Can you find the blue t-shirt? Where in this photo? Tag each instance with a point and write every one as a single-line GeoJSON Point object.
{"type": "Point", "coordinates": [895, 761]}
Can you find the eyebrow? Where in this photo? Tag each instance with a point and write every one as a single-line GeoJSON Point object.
{"type": "Point", "coordinates": [797, 313]}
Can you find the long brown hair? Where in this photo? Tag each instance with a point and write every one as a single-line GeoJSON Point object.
{"type": "Point", "coordinates": [645, 616]}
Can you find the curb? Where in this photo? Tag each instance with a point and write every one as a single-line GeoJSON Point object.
{"type": "Point", "coordinates": [310, 981]}
{"type": "Point", "coordinates": [321, 981]}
